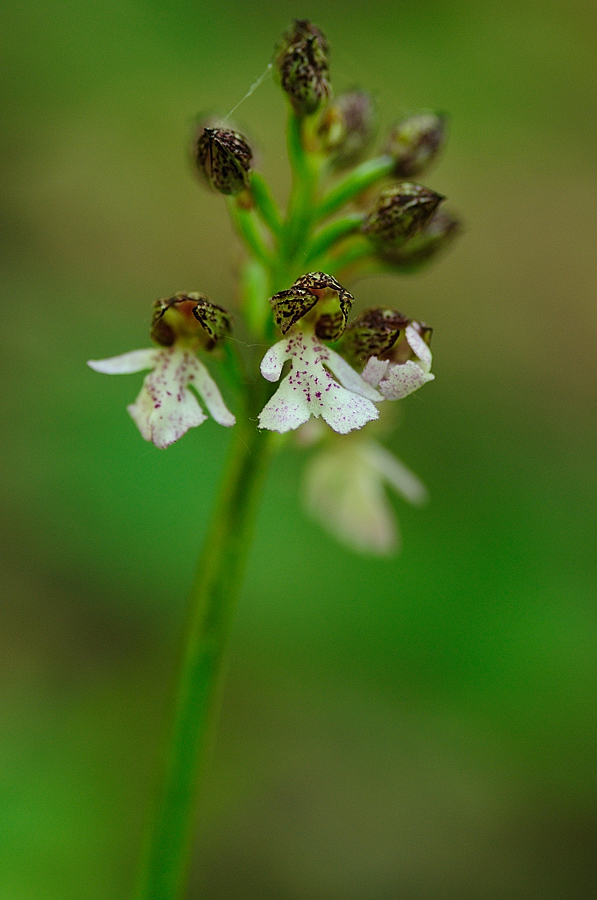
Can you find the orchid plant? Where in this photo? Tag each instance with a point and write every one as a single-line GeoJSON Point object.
{"type": "Point", "coordinates": [299, 364]}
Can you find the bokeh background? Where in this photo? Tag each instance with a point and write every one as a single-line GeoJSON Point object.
{"type": "Point", "coordinates": [418, 728]}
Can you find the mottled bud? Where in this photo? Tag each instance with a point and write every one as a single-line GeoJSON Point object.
{"type": "Point", "coordinates": [190, 318]}
{"type": "Point", "coordinates": [415, 143]}
{"type": "Point", "coordinates": [347, 128]}
{"type": "Point", "coordinates": [400, 212]}
{"type": "Point", "coordinates": [302, 64]}
{"type": "Point", "coordinates": [224, 158]}
{"type": "Point", "coordinates": [373, 333]}
{"type": "Point", "coordinates": [433, 239]}
{"type": "Point", "coordinates": [316, 289]}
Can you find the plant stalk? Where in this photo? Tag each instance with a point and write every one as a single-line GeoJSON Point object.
{"type": "Point", "coordinates": [202, 665]}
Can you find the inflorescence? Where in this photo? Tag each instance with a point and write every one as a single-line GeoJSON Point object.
{"type": "Point", "coordinates": [350, 213]}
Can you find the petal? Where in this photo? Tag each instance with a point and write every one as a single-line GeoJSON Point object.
{"type": "Point", "coordinates": [347, 376]}
{"type": "Point", "coordinates": [396, 473]}
{"type": "Point", "coordinates": [345, 411]}
{"type": "Point", "coordinates": [287, 409]}
{"type": "Point", "coordinates": [375, 370]}
{"type": "Point", "coordinates": [211, 396]}
{"type": "Point", "coordinates": [166, 424]}
{"type": "Point", "coordinates": [140, 411]}
{"type": "Point", "coordinates": [403, 379]}
{"type": "Point", "coordinates": [418, 346]}
{"type": "Point", "coordinates": [166, 409]}
{"type": "Point", "coordinates": [344, 493]}
{"type": "Point", "coordinates": [135, 361]}
{"type": "Point", "coordinates": [273, 361]}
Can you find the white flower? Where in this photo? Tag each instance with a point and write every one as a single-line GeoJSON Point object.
{"type": "Point", "coordinates": [309, 389]}
{"type": "Point", "coordinates": [398, 379]}
{"type": "Point", "coordinates": [165, 408]}
{"type": "Point", "coordinates": [345, 492]}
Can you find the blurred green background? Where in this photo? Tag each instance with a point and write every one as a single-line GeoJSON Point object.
{"type": "Point", "coordinates": [422, 728]}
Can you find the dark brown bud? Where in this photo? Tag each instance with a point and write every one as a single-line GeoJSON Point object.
{"type": "Point", "coordinates": [224, 158]}
{"type": "Point", "coordinates": [302, 64]}
{"type": "Point", "coordinates": [415, 143]}
{"type": "Point", "coordinates": [191, 318]}
{"type": "Point", "coordinates": [373, 333]}
{"type": "Point", "coordinates": [347, 128]}
{"type": "Point", "coordinates": [400, 212]}
{"type": "Point", "coordinates": [316, 289]}
{"type": "Point", "coordinates": [437, 235]}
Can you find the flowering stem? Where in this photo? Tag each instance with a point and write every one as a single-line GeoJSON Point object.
{"type": "Point", "coordinates": [361, 178]}
{"type": "Point", "coordinates": [247, 226]}
{"type": "Point", "coordinates": [305, 174]}
{"type": "Point", "coordinates": [330, 234]}
{"type": "Point", "coordinates": [265, 203]}
{"type": "Point", "coordinates": [359, 249]}
{"type": "Point", "coordinates": [215, 590]}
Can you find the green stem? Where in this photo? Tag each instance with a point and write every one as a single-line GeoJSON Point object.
{"type": "Point", "coordinates": [265, 203]}
{"type": "Point", "coordinates": [247, 227]}
{"type": "Point", "coordinates": [305, 174]}
{"type": "Point", "coordinates": [358, 249]}
{"type": "Point", "coordinates": [215, 591]}
{"type": "Point", "coordinates": [354, 184]}
{"type": "Point", "coordinates": [330, 234]}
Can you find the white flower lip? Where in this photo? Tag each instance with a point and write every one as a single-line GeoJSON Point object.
{"type": "Point", "coordinates": [165, 408]}
{"type": "Point", "coordinates": [309, 389]}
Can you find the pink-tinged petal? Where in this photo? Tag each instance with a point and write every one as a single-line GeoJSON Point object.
{"type": "Point", "coordinates": [167, 423]}
{"type": "Point", "coordinates": [399, 476]}
{"type": "Point", "coordinates": [273, 361]}
{"type": "Point", "coordinates": [419, 347]}
{"type": "Point", "coordinates": [286, 410]}
{"type": "Point", "coordinates": [402, 380]}
{"type": "Point", "coordinates": [140, 412]}
{"type": "Point", "coordinates": [345, 411]}
{"type": "Point", "coordinates": [135, 361]}
{"type": "Point", "coordinates": [347, 376]}
{"type": "Point", "coordinates": [166, 409]}
{"type": "Point", "coordinates": [210, 394]}
{"type": "Point", "coordinates": [375, 370]}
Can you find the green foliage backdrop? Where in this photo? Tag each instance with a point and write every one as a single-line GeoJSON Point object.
{"type": "Point", "coordinates": [419, 728]}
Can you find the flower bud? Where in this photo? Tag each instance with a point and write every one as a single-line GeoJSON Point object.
{"type": "Point", "coordinates": [224, 158]}
{"type": "Point", "coordinates": [415, 142]}
{"type": "Point", "coordinates": [373, 333]}
{"type": "Point", "coordinates": [190, 319]}
{"type": "Point", "coordinates": [302, 64]}
{"type": "Point", "coordinates": [347, 128]}
{"type": "Point", "coordinates": [314, 289]}
{"type": "Point", "coordinates": [400, 212]}
{"type": "Point", "coordinates": [433, 239]}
